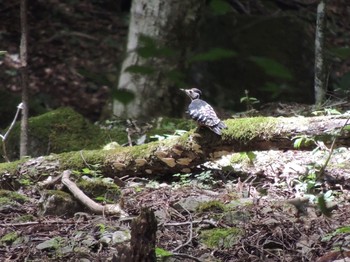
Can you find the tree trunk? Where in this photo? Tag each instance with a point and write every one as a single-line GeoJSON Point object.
{"type": "Point", "coordinates": [320, 68]}
{"type": "Point", "coordinates": [24, 79]}
{"type": "Point", "coordinates": [143, 239]}
{"type": "Point", "coordinates": [185, 153]}
{"type": "Point", "coordinates": [160, 35]}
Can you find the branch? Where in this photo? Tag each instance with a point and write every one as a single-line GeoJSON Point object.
{"type": "Point", "coordinates": [88, 202]}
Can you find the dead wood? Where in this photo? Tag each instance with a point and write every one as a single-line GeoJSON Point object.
{"type": "Point", "coordinates": [88, 202]}
{"type": "Point", "coordinates": [184, 154]}
{"type": "Point", "coordinates": [143, 239]}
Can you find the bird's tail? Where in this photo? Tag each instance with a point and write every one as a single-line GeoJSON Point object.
{"type": "Point", "coordinates": [217, 128]}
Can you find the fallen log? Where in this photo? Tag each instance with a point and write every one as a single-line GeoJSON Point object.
{"type": "Point", "coordinates": [184, 154]}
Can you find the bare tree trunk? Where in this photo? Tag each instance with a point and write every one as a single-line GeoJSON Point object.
{"type": "Point", "coordinates": [24, 78]}
{"type": "Point", "coordinates": [171, 26]}
{"type": "Point", "coordinates": [320, 69]}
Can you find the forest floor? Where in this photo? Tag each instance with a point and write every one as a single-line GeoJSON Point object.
{"type": "Point", "coordinates": [254, 206]}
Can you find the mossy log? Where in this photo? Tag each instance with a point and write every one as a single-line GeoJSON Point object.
{"type": "Point", "coordinates": [185, 153]}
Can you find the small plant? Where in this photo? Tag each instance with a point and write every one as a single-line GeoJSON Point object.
{"type": "Point", "coordinates": [205, 179]}
{"type": "Point", "coordinates": [303, 140]}
{"type": "Point", "coordinates": [184, 179]}
{"type": "Point", "coordinates": [326, 112]}
{"type": "Point", "coordinates": [249, 101]}
{"type": "Point", "coordinates": [177, 133]}
{"type": "Point", "coordinates": [162, 253]}
{"type": "Point", "coordinates": [101, 228]}
{"type": "Point", "coordinates": [338, 231]}
{"type": "Point", "coordinates": [94, 172]}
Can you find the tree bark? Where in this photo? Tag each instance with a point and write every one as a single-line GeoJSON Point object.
{"type": "Point", "coordinates": [185, 153]}
{"type": "Point", "coordinates": [320, 68]}
{"type": "Point", "coordinates": [24, 79]}
{"type": "Point", "coordinates": [170, 27]}
{"type": "Point", "coordinates": [143, 239]}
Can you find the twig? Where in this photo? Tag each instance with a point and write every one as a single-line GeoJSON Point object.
{"type": "Point", "coordinates": [186, 256]}
{"type": "Point", "coordinates": [3, 137]}
{"type": "Point", "coordinates": [206, 221]}
{"type": "Point", "coordinates": [191, 233]}
{"type": "Point", "coordinates": [323, 168]}
{"type": "Point", "coordinates": [19, 107]}
{"type": "Point", "coordinates": [36, 223]}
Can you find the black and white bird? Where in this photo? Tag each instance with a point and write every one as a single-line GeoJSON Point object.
{"type": "Point", "coordinates": [202, 112]}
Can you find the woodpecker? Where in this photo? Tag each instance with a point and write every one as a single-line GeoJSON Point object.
{"type": "Point", "coordinates": [202, 112]}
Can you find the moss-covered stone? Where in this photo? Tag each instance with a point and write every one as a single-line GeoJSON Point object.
{"type": "Point", "coordinates": [62, 130]}
{"type": "Point", "coordinates": [211, 206]}
{"type": "Point", "coordinates": [99, 190]}
{"type": "Point", "coordinates": [11, 196]}
{"type": "Point", "coordinates": [58, 203]}
{"type": "Point", "coordinates": [220, 237]}
{"type": "Point", "coordinates": [10, 167]}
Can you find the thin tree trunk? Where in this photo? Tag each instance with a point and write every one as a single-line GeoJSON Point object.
{"type": "Point", "coordinates": [320, 68]}
{"type": "Point", "coordinates": [169, 24]}
{"type": "Point", "coordinates": [24, 78]}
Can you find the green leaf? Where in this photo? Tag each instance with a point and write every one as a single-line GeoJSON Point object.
{"type": "Point", "coordinates": [148, 48]}
{"type": "Point", "coordinates": [124, 96]}
{"type": "Point", "coordinates": [341, 52]}
{"type": "Point", "coordinates": [345, 230]}
{"type": "Point", "coordinates": [147, 51]}
{"type": "Point", "coordinates": [272, 67]}
{"type": "Point", "coordinates": [86, 171]}
{"type": "Point", "coordinates": [251, 156]}
{"type": "Point", "coordinates": [97, 78]}
{"type": "Point", "coordinates": [298, 142]}
{"type": "Point", "coordinates": [220, 7]}
{"type": "Point", "coordinates": [50, 243]}
{"type": "Point", "coordinates": [344, 82]}
{"type": "Point", "coordinates": [3, 52]}
{"type": "Point", "coordinates": [142, 70]}
{"type": "Point", "coordinates": [213, 55]}
{"type": "Point", "coordinates": [322, 206]}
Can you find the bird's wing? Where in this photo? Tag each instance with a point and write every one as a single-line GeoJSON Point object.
{"type": "Point", "coordinates": [203, 113]}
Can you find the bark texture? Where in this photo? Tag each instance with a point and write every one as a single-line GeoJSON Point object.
{"type": "Point", "coordinates": [170, 24]}
{"type": "Point", "coordinates": [24, 79]}
{"type": "Point", "coordinates": [320, 68]}
{"type": "Point", "coordinates": [143, 239]}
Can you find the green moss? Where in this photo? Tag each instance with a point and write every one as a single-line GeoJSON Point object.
{"type": "Point", "coordinates": [13, 196]}
{"type": "Point", "coordinates": [220, 238]}
{"type": "Point", "coordinates": [9, 238]}
{"type": "Point", "coordinates": [246, 129]}
{"type": "Point", "coordinates": [10, 167]}
{"type": "Point", "coordinates": [100, 190]}
{"type": "Point", "coordinates": [24, 218]}
{"type": "Point", "coordinates": [211, 206]}
{"type": "Point", "coordinates": [62, 130]}
{"type": "Point", "coordinates": [59, 194]}
{"type": "Point", "coordinates": [78, 159]}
